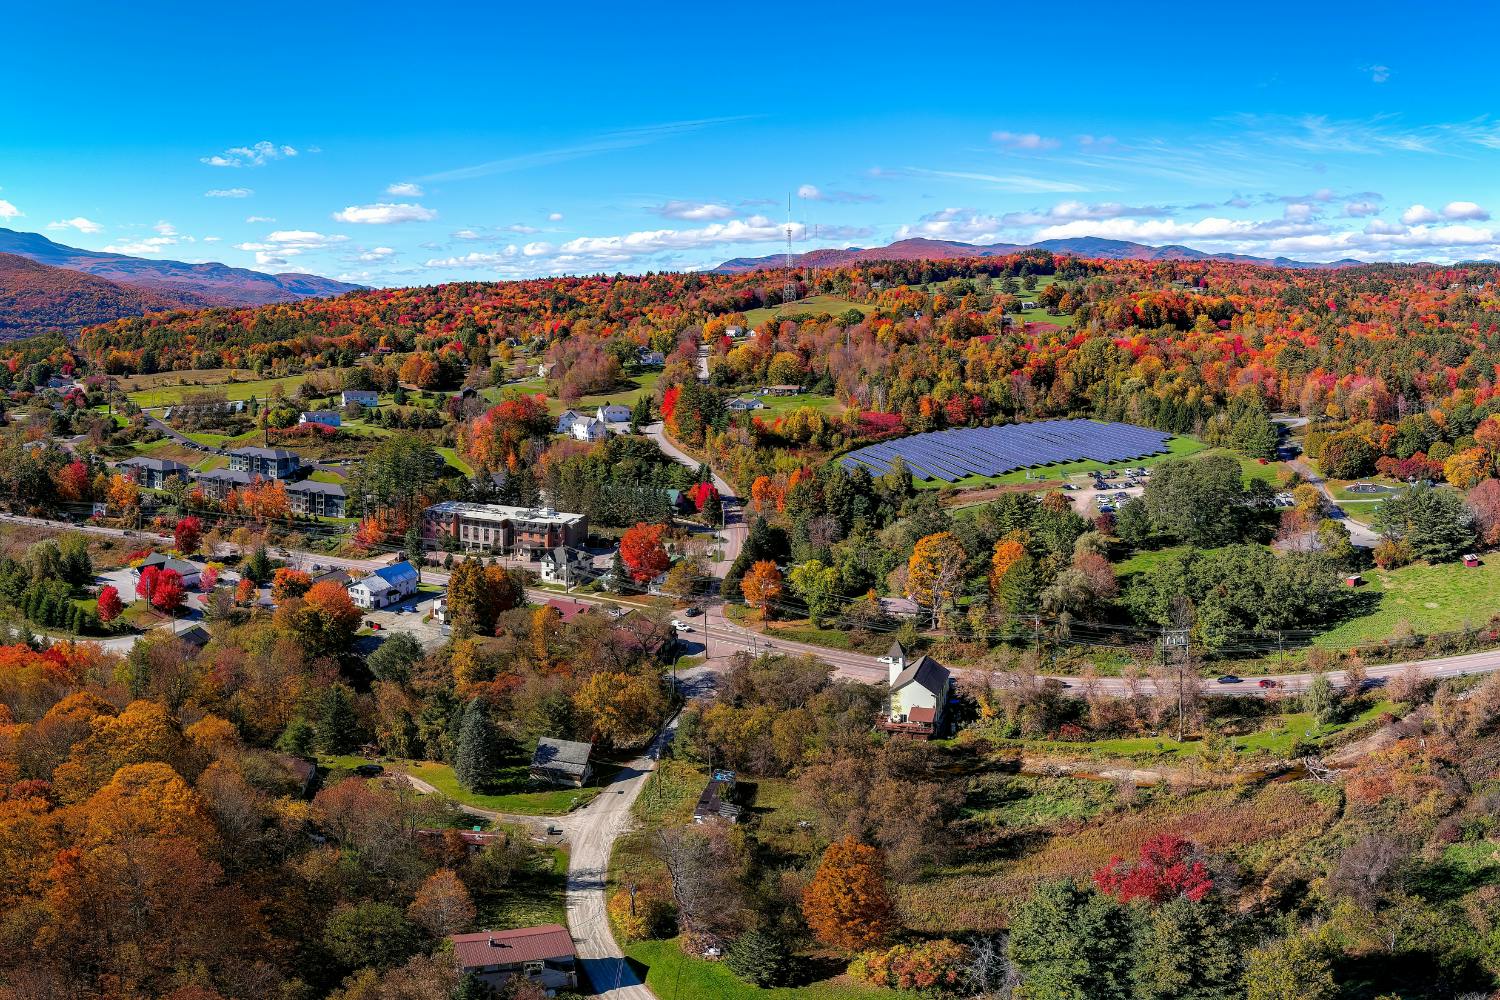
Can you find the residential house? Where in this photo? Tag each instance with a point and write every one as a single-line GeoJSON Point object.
{"type": "Point", "coordinates": [544, 955]}
{"type": "Point", "coordinates": [318, 499]}
{"type": "Point", "coordinates": [566, 565]}
{"type": "Point", "coordinates": [492, 527]}
{"type": "Point", "coordinates": [651, 359]}
{"type": "Point", "coordinates": [367, 398]}
{"type": "Point", "coordinates": [543, 370]}
{"type": "Point", "coordinates": [918, 694]}
{"type": "Point", "coordinates": [781, 390]}
{"type": "Point", "coordinates": [152, 473]}
{"type": "Point", "coordinates": [190, 572]}
{"type": "Point", "coordinates": [561, 762]}
{"type": "Point", "coordinates": [614, 413]}
{"type": "Point", "coordinates": [567, 419]}
{"type": "Point", "coordinates": [740, 404]}
{"type": "Point", "coordinates": [568, 609]}
{"type": "Point", "coordinates": [898, 607]}
{"type": "Point", "coordinates": [267, 463]}
{"type": "Point", "coordinates": [716, 800]}
{"type": "Point", "coordinates": [326, 418]}
{"type": "Point", "coordinates": [589, 429]}
{"type": "Point", "coordinates": [386, 586]}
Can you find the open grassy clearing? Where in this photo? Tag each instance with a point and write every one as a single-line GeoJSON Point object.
{"type": "Point", "coordinates": [511, 776]}
{"type": "Point", "coordinates": [191, 382]}
{"type": "Point", "coordinates": [451, 457]}
{"type": "Point", "coordinates": [675, 976]}
{"type": "Point", "coordinates": [1180, 446]}
{"type": "Point", "coordinates": [1343, 494]}
{"type": "Point", "coordinates": [639, 384]}
{"type": "Point", "coordinates": [1441, 598]}
{"type": "Point", "coordinates": [832, 304]}
{"type": "Point", "coordinates": [776, 406]}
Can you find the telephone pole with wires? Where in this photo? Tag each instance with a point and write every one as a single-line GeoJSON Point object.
{"type": "Point", "coordinates": [789, 289]}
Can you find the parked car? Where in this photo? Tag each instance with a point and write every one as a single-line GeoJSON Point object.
{"type": "Point", "coordinates": [369, 770]}
{"type": "Point", "coordinates": [693, 612]}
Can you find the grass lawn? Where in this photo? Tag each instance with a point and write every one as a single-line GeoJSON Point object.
{"type": "Point", "coordinates": [671, 975]}
{"type": "Point", "coordinates": [815, 304]}
{"type": "Point", "coordinates": [1440, 598]}
{"type": "Point", "coordinates": [792, 631]}
{"type": "Point", "coordinates": [551, 802]}
{"type": "Point", "coordinates": [640, 384]}
{"type": "Point", "coordinates": [776, 406]}
{"type": "Point", "coordinates": [534, 895]}
{"type": "Point", "coordinates": [1177, 447]}
{"type": "Point", "coordinates": [1342, 493]}
{"type": "Point", "coordinates": [451, 457]}
{"type": "Point", "coordinates": [320, 476]}
{"type": "Point", "coordinates": [186, 383]}
{"type": "Point", "coordinates": [173, 450]}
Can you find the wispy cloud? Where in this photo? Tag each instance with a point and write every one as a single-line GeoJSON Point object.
{"type": "Point", "coordinates": [606, 142]}
{"type": "Point", "coordinates": [1378, 73]}
{"type": "Point", "coordinates": [404, 190]}
{"type": "Point", "coordinates": [9, 211]}
{"type": "Point", "coordinates": [692, 211]}
{"type": "Point", "coordinates": [235, 192]}
{"type": "Point", "coordinates": [1018, 183]}
{"type": "Point", "coordinates": [1024, 140]}
{"type": "Point", "coordinates": [257, 155]}
{"type": "Point", "coordinates": [384, 213]}
{"type": "Point", "coordinates": [79, 223]}
{"type": "Point", "coordinates": [811, 192]}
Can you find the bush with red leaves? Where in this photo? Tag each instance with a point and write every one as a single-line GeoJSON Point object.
{"type": "Point", "coordinates": [1166, 870]}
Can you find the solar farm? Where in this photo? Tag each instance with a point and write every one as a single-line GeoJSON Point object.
{"type": "Point", "coordinates": [956, 454]}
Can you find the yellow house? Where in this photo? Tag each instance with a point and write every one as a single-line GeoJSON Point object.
{"type": "Point", "coordinates": [918, 693]}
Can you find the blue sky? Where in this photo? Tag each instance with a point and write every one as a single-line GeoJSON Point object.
{"type": "Point", "coordinates": [408, 144]}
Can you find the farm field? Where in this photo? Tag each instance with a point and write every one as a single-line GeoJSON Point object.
{"type": "Point", "coordinates": [671, 975]}
{"type": "Point", "coordinates": [166, 394]}
{"type": "Point", "coordinates": [640, 384]}
{"type": "Point", "coordinates": [776, 406]}
{"type": "Point", "coordinates": [832, 304]}
{"type": "Point", "coordinates": [1442, 598]}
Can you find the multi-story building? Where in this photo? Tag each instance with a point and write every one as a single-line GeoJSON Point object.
{"type": "Point", "coordinates": [491, 527]}
{"type": "Point", "coordinates": [217, 483]}
{"type": "Point", "coordinates": [384, 587]}
{"type": "Point", "coordinates": [152, 473]}
{"type": "Point", "coordinates": [367, 398]}
{"type": "Point", "coordinates": [267, 463]}
{"type": "Point", "coordinates": [320, 499]}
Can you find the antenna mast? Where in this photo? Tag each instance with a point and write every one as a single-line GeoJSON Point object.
{"type": "Point", "coordinates": [789, 290]}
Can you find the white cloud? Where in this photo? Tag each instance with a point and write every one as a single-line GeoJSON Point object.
{"type": "Point", "coordinates": [1382, 227]}
{"type": "Point", "coordinates": [1418, 214]}
{"type": "Point", "coordinates": [1378, 74]}
{"type": "Point", "coordinates": [383, 213]}
{"type": "Point", "coordinates": [258, 218]}
{"type": "Point", "coordinates": [1157, 230]}
{"type": "Point", "coordinates": [810, 192]}
{"type": "Point", "coordinates": [1297, 212]}
{"type": "Point", "coordinates": [165, 228]}
{"type": "Point", "coordinates": [9, 211]}
{"type": "Point", "coordinates": [1024, 140]}
{"type": "Point", "coordinates": [289, 242]}
{"type": "Point", "coordinates": [467, 234]}
{"type": "Point", "coordinates": [1465, 210]}
{"type": "Point", "coordinates": [257, 155]}
{"type": "Point", "coordinates": [378, 253]}
{"type": "Point", "coordinates": [536, 249]}
{"type": "Point", "coordinates": [691, 211]}
{"type": "Point", "coordinates": [405, 190]}
{"type": "Point", "coordinates": [965, 225]}
{"type": "Point", "coordinates": [228, 193]}
{"type": "Point", "coordinates": [151, 244]}
{"type": "Point", "coordinates": [79, 223]}
{"type": "Point", "coordinates": [555, 217]}
{"type": "Point", "coordinates": [1360, 209]}
{"type": "Point", "coordinates": [212, 239]}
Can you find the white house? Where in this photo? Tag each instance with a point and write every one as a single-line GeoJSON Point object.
{"type": "Point", "coordinates": [368, 398]}
{"type": "Point", "coordinates": [614, 413]}
{"type": "Point", "coordinates": [651, 359]}
{"type": "Point", "coordinates": [384, 587]}
{"type": "Point", "coordinates": [740, 404]}
{"type": "Point", "coordinates": [190, 572]}
{"type": "Point", "coordinates": [918, 693]}
{"type": "Point", "coordinates": [326, 418]}
{"type": "Point", "coordinates": [567, 419]}
{"type": "Point", "coordinates": [589, 429]}
{"type": "Point", "coordinates": [565, 565]}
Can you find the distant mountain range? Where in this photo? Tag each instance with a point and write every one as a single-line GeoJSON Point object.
{"type": "Point", "coordinates": [138, 285]}
{"type": "Point", "coordinates": [1081, 246]}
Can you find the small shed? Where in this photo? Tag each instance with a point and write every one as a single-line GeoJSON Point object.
{"type": "Point", "coordinates": [1471, 560]}
{"type": "Point", "coordinates": [1353, 580]}
{"type": "Point", "coordinates": [715, 802]}
{"type": "Point", "coordinates": [561, 762]}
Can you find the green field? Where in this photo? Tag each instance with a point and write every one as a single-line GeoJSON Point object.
{"type": "Point", "coordinates": [675, 976]}
{"type": "Point", "coordinates": [1342, 493]}
{"type": "Point", "coordinates": [552, 802]}
{"type": "Point", "coordinates": [196, 381]}
{"type": "Point", "coordinates": [1430, 599]}
{"type": "Point", "coordinates": [1180, 446]}
{"type": "Point", "coordinates": [451, 457]}
{"type": "Point", "coordinates": [640, 385]}
{"type": "Point", "coordinates": [832, 304]}
{"type": "Point", "coordinates": [776, 406]}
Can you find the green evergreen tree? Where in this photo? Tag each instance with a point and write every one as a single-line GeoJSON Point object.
{"type": "Point", "coordinates": [297, 738]}
{"type": "Point", "coordinates": [760, 958]}
{"type": "Point", "coordinates": [1186, 950]}
{"type": "Point", "coordinates": [258, 565]}
{"type": "Point", "coordinates": [474, 762]}
{"type": "Point", "coordinates": [338, 726]}
{"type": "Point", "coordinates": [1071, 944]}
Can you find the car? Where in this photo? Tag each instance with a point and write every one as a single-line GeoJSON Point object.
{"type": "Point", "coordinates": [681, 626]}
{"type": "Point", "coordinates": [1229, 679]}
{"type": "Point", "coordinates": [1266, 682]}
{"type": "Point", "coordinates": [693, 612]}
{"type": "Point", "coordinates": [1106, 508]}
{"type": "Point", "coordinates": [889, 661]}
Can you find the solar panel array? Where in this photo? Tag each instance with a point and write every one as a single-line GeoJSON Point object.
{"type": "Point", "coordinates": [992, 451]}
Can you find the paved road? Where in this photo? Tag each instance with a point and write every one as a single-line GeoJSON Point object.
{"type": "Point", "coordinates": [1361, 534]}
{"type": "Point", "coordinates": [735, 529]}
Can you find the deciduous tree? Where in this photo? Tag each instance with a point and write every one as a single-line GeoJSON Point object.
{"type": "Point", "coordinates": [846, 904]}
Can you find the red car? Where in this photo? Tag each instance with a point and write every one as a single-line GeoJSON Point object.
{"type": "Point", "coordinates": [1267, 683]}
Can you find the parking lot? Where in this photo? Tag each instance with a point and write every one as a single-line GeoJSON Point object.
{"type": "Point", "coordinates": [1099, 495]}
{"type": "Point", "coordinates": [407, 617]}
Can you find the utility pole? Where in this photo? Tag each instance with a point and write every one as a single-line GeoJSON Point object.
{"type": "Point", "coordinates": [789, 289]}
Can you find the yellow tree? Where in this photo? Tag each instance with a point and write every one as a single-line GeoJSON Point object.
{"type": "Point", "coordinates": [935, 570]}
{"type": "Point", "coordinates": [1008, 551]}
{"type": "Point", "coordinates": [846, 904]}
{"type": "Point", "coordinates": [762, 585]}
{"type": "Point", "coordinates": [618, 706]}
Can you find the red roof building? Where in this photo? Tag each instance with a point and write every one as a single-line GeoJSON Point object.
{"type": "Point", "coordinates": [542, 954]}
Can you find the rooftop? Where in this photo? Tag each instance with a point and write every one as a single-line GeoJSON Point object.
{"type": "Point", "coordinates": [927, 672]}
{"type": "Point", "coordinates": [525, 944]}
{"type": "Point", "coordinates": [500, 512]}
{"type": "Point", "coordinates": [258, 452]}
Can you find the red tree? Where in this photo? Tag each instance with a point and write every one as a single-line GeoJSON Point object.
{"type": "Point", "coordinates": [208, 579]}
{"type": "Point", "coordinates": [1484, 501]}
{"type": "Point", "coordinates": [1166, 870]}
{"type": "Point", "coordinates": [110, 604]}
{"type": "Point", "coordinates": [167, 592]}
{"type": "Point", "coordinates": [642, 552]}
{"type": "Point", "coordinates": [146, 582]}
{"type": "Point", "coordinates": [188, 534]}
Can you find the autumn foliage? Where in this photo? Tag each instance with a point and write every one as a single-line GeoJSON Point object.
{"type": "Point", "coordinates": [643, 553]}
{"type": "Point", "coordinates": [1165, 870]}
{"type": "Point", "coordinates": [846, 904]}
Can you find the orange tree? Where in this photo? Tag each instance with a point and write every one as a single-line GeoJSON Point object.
{"type": "Point", "coordinates": [761, 586]}
{"type": "Point", "coordinates": [846, 904]}
{"type": "Point", "coordinates": [935, 571]}
{"type": "Point", "coordinates": [642, 552]}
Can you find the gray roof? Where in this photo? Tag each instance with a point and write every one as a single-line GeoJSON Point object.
{"type": "Point", "coordinates": [239, 476]}
{"type": "Point", "coordinates": [896, 652]}
{"type": "Point", "coordinates": [312, 486]}
{"type": "Point", "coordinates": [258, 452]}
{"type": "Point", "coordinates": [567, 756]}
{"type": "Point", "coordinates": [927, 672]}
{"type": "Point", "coordinates": [156, 464]}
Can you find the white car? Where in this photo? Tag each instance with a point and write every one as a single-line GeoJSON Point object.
{"type": "Point", "coordinates": [681, 626]}
{"type": "Point", "coordinates": [887, 660]}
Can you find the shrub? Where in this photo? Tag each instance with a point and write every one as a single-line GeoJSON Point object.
{"type": "Point", "coordinates": [654, 916]}
{"type": "Point", "coordinates": [933, 967]}
{"type": "Point", "coordinates": [760, 959]}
